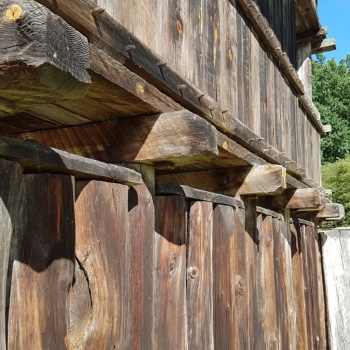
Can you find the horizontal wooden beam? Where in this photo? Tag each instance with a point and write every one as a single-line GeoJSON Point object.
{"type": "Point", "coordinates": [36, 66]}
{"type": "Point", "coordinates": [38, 159]}
{"type": "Point", "coordinates": [301, 199]}
{"type": "Point", "coordinates": [166, 189]}
{"type": "Point", "coordinates": [258, 180]}
{"type": "Point", "coordinates": [331, 212]}
{"type": "Point", "coordinates": [308, 37]}
{"type": "Point", "coordinates": [323, 46]}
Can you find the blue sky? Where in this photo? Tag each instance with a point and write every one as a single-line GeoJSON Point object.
{"type": "Point", "coordinates": [335, 14]}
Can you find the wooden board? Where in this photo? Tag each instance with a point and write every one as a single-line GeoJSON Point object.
{"type": "Point", "coordinates": [102, 255]}
{"type": "Point", "coordinates": [199, 286]}
{"type": "Point", "coordinates": [10, 204]}
{"type": "Point", "coordinates": [170, 274]}
{"type": "Point", "coordinates": [223, 282]}
{"type": "Point", "coordinates": [336, 267]}
{"type": "Point", "coordinates": [42, 263]}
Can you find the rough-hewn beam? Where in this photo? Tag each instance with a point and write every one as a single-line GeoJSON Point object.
{"type": "Point", "coordinates": [307, 16]}
{"type": "Point", "coordinates": [42, 59]}
{"type": "Point", "coordinates": [166, 189]}
{"type": "Point", "coordinates": [316, 35]}
{"type": "Point", "coordinates": [38, 159]}
{"type": "Point", "coordinates": [331, 212]}
{"type": "Point", "coordinates": [258, 180]}
{"type": "Point", "coordinates": [302, 199]}
{"type": "Point", "coordinates": [323, 46]}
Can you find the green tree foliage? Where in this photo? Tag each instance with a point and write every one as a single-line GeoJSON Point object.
{"type": "Point", "coordinates": [331, 94]}
{"type": "Point", "coordinates": [336, 176]}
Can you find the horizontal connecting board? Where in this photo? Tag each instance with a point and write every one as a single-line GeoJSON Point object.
{"type": "Point", "coordinates": [38, 159]}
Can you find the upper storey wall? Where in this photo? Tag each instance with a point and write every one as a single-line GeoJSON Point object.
{"type": "Point", "coordinates": [214, 45]}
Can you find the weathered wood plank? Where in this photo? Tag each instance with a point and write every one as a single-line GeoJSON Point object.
{"type": "Point", "coordinates": [199, 287]}
{"type": "Point", "coordinates": [40, 159]}
{"type": "Point", "coordinates": [170, 273]}
{"type": "Point", "coordinates": [102, 254]}
{"type": "Point", "coordinates": [223, 282]}
{"type": "Point", "coordinates": [167, 189]}
{"type": "Point", "coordinates": [298, 285]}
{"type": "Point", "coordinates": [42, 263]}
{"type": "Point", "coordinates": [140, 248]}
{"type": "Point", "coordinates": [336, 267]}
{"type": "Point", "coordinates": [10, 204]}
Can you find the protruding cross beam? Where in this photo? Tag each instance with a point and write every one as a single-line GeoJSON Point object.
{"type": "Point", "coordinates": [302, 199]}
{"type": "Point", "coordinates": [331, 212]}
{"type": "Point", "coordinates": [258, 180]}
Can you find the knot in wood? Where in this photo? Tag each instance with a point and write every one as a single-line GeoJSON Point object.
{"type": "Point", "coordinates": [13, 13]}
{"type": "Point", "coordinates": [192, 272]}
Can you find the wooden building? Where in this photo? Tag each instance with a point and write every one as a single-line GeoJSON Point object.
{"type": "Point", "coordinates": [160, 183]}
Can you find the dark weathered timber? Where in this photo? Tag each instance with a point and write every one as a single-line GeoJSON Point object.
{"type": "Point", "coordinates": [42, 263]}
{"type": "Point", "coordinates": [145, 63]}
{"type": "Point", "coordinates": [259, 180]}
{"type": "Point", "coordinates": [309, 37]}
{"type": "Point", "coordinates": [308, 17]}
{"type": "Point", "coordinates": [331, 212]}
{"type": "Point", "coordinates": [167, 189]}
{"type": "Point", "coordinates": [170, 273]}
{"type": "Point", "coordinates": [298, 285]}
{"type": "Point", "coordinates": [242, 316]}
{"type": "Point", "coordinates": [223, 283]}
{"type": "Point", "coordinates": [101, 252]}
{"type": "Point", "coordinates": [42, 58]}
{"type": "Point", "coordinates": [199, 286]}
{"type": "Point", "coordinates": [10, 204]}
{"type": "Point", "coordinates": [140, 248]}
{"type": "Point", "coordinates": [303, 199]}
{"type": "Point", "coordinates": [35, 158]}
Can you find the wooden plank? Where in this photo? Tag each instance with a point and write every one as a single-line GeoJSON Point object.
{"type": "Point", "coordinates": [336, 267]}
{"type": "Point", "coordinates": [170, 273]}
{"type": "Point", "coordinates": [167, 189]}
{"type": "Point", "coordinates": [241, 311]}
{"type": "Point", "coordinates": [260, 180]}
{"type": "Point", "coordinates": [199, 286]}
{"type": "Point", "coordinates": [36, 158]}
{"type": "Point", "coordinates": [42, 263]}
{"type": "Point", "coordinates": [298, 286]}
{"type": "Point", "coordinates": [38, 67]}
{"type": "Point", "coordinates": [324, 46]}
{"type": "Point", "coordinates": [102, 255]}
{"type": "Point", "coordinates": [223, 283]}
{"type": "Point", "coordinates": [140, 268]}
{"type": "Point", "coordinates": [305, 199]}
{"type": "Point", "coordinates": [282, 285]}
{"type": "Point", "coordinates": [10, 204]}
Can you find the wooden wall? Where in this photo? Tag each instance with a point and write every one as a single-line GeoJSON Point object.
{"type": "Point", "coordinates": [212, 44]}
{"type": "Point", "coordinates": [97, 265]}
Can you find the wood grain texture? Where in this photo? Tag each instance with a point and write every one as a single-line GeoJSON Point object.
{"type": "Point", "coordinates": [170, 329]}
{"type": "Point", "coordinates": [42, 263]}
{"type": "Point", "coordinates": [101, 253]}
{"type": "Point", "coordinates": [10, 203]}
{"type": "Point", "coordinates": [199, 286]}
{"type": "Point", "coordinates": [42, 58]}
{"type": "Point", "coordinates": [223, 282]}
{"type": "Point", "coordinates": [335, 252]}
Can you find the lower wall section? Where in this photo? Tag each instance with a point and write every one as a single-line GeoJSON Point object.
{"type": "Point", "coordinates": [96, 265]}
